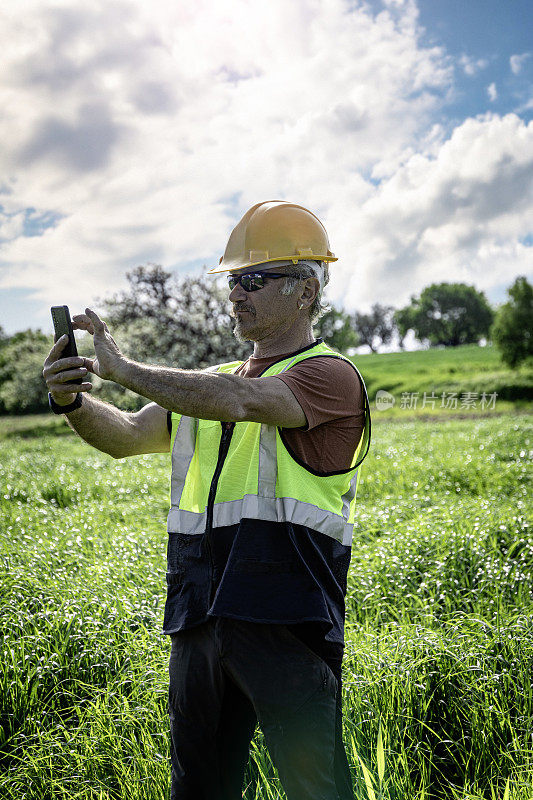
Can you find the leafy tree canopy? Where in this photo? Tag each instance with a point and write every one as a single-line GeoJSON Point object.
{"type": "Point", "coordinates": [447, 314]}
{"type": "Point", "coordinates": [512, 331]}
{"type": "Point", "coordinates": [376, 327]}
{"type": "Point", "coordinates": [178, 321]}
{"type": "Point", "coordinates": [22, 386]}
{"type": "Point", "coordinates": [336, 328]}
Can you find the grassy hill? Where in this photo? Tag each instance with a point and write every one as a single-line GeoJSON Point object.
{"type": "Point", "coordinates": [469, 368]}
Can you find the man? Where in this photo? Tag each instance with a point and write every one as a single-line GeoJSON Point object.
{"type": "Point", "coordinates": [264, 470]}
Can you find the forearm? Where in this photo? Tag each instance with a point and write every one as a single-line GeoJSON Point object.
{"type": "Point", "coordinates": [103, 426]}
{"type": "Point", "coordinates": [203, 395]}
{"type": "Point", "coordinates": [207, 395]}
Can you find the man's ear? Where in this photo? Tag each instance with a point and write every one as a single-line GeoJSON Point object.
{"type": "Point", "coordinates": [308, 292]}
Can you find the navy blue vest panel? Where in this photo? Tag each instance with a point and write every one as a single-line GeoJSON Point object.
{"type": "Point", "coordinates": [272, 572]}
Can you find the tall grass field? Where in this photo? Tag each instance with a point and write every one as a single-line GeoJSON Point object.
{"type": "Point", "coordinates": [438, 665]}
{"type": "Point", "coordinates": [418, 380]}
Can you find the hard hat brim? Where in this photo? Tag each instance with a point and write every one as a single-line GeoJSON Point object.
{"type": "Point", "coordinates": [237, 267]}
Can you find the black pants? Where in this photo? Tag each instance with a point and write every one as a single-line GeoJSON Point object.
{"type": "Point", "coordinates": [227, 674]}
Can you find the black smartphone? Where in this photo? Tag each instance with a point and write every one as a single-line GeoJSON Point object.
{"type": "Point", "coordinates": [63, 324]}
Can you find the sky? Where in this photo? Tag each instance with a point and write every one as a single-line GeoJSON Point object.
{"type": "Point", "coordinates": [136, 133]}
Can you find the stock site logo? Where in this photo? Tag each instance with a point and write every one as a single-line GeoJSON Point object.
{"type": "Point", "coordinates": [384, 400]}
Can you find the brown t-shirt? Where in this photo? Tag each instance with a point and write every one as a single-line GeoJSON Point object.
{"type": "Point", "coordinates": [330, 395]}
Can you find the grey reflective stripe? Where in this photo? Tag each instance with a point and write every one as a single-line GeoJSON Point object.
{"type": "Point", "coordinates": [180, 521]}
{"type": "Point", "coordinates": [182, 453]}
{"type": "Point", "coordinates": [287, 366]}
{"type": "Point", "coordinates": [348, 496]}
{"type": "Point", "coordinates": [268, 462]}
{"type": "Point", "coordinates": [250, 507]}
{"type": "Point", "coordinates": [285, 509]}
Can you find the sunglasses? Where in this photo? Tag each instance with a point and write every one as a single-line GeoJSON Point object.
{"type": "Point", "coordinates": [252, 281]}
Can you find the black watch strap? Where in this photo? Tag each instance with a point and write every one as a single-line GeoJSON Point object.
{"type": "Point", "coordinates": [57, 409]}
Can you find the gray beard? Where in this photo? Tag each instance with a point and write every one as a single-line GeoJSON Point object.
{"type": "Point", "coordinates": [237, 332]}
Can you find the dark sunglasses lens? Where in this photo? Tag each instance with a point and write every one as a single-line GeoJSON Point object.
{"type": "Point", "coordinates": [250, 283]}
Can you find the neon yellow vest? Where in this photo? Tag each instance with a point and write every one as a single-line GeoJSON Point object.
{"type": "Point", "coordinates": [258, 478]}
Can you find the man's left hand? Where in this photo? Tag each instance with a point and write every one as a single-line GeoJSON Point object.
{"type": "Point", "coordinates": [108, 356]}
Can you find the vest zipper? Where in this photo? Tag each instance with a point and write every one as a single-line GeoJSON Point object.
{"type": "Point", "coordinates": [225, 440]}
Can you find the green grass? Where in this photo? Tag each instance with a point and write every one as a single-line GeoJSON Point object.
{"type": "Point", "coordinates": [32, 425]}
{"type": "Point", "coordinates": [439, 633]}
{"type": "Point", "coordinates": [453, 369]}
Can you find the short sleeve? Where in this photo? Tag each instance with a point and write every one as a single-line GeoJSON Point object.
{"type": "Point", "coordinates": [327, 389]}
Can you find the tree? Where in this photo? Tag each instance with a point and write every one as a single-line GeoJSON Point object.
{"type": "Point", "coordinates": [376, 327]}
{"type": "Point", "coordinates": [402, 323]}
{"type": "Point", "coordinates": [337, 330]}
{"type": "Point", "coordinates": [149, 295]}
{"type": "Point", "coordinates": [22, 386]}
{"type": "Point", "coordinates": [447, 314]}
{"type": "Point", "coordinates": [513, 326]}
{"type": "Point", "coordinates": [178, 321]}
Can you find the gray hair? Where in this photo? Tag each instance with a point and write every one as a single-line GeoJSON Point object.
{"type": "Point", "coordinates": [301, 271]}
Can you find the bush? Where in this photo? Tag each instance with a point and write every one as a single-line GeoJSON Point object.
{"type": "Point", "coordinates": [512, 329]}
{"type": "Point", "coordinates": [22, 386]}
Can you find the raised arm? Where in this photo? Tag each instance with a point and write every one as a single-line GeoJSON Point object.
{"type": "Point", "coordinates": [195, 393]}
{"type": "Point", "coordinates": [102, 425]}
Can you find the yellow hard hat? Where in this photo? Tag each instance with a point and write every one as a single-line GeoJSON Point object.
{"type": "Point", "coordinates": [275, 230]}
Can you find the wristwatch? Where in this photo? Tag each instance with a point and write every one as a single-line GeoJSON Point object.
{"type": "Point", "coordinates": [57, 409]}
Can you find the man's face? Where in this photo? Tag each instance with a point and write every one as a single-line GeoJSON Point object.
{"type": "Point", "coordinates": [261, 313]}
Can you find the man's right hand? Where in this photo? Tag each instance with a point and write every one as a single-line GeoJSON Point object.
{"type": "Point", "coordinates": [57, 371]}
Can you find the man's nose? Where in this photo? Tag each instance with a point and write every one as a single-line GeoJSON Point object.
{"type": "Point", "coordinates": [237, 293]}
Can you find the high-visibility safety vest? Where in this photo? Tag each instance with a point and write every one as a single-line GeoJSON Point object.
{"type": "Point", "coordinates": [225, 472]}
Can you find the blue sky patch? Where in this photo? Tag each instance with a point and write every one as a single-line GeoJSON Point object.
{"type": "Point", "coordinates": [37, 222]}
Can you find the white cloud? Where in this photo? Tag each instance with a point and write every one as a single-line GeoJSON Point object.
{"type": "Point", "coordinates": [147, 131]}
{"type": "Point", "coordinates": [472, 66]}
{"type": "Point", "coordinates": [517, 62]}
{"type": "Point", "coordinates": [11, 225]}
{"type": "Point", "coordinates": [459, 215]}
{"type": "Point", "coordinates": [527, 106]}
{"type": "Point", "coordinates": [492, 92]}
{"type": "Point", "coordinates": [146, 128]}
